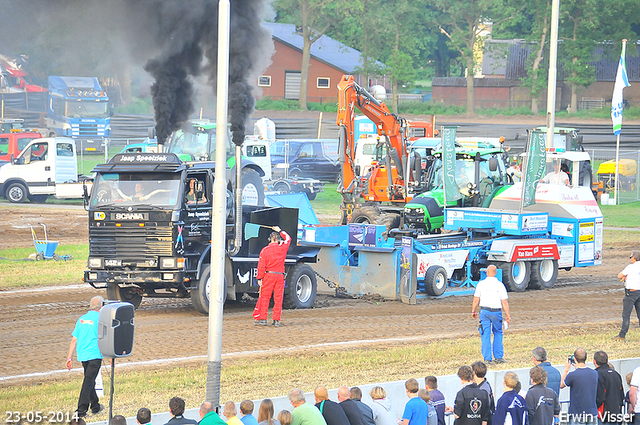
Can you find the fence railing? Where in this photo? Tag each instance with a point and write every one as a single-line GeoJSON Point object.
{"type": "Point", "coordinates": [603, 162]}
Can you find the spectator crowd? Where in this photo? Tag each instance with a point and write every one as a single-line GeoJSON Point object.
{"type": "Point", "coordinates": [596, 396]}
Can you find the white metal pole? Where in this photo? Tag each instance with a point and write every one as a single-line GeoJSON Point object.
{"type": "Point", "coordinates": [553, 72]}
{"type": "Point", "coordinates": [615, 187]}
{"type": "Point", "coordinates": [615, 183]}
{"type": "Point", "coordinates": [218, 233]}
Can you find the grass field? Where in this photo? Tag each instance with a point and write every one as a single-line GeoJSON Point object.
{"type": "Point", "coordinates": [256, 378]}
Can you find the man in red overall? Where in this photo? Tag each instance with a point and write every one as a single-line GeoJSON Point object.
{"type": "Point", "coordinates": [271, 277]}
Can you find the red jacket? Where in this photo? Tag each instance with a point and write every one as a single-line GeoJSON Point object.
{"type": "Point", "coordinates": [273, 255]}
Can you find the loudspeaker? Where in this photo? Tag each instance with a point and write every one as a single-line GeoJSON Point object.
{"type": "Point", "coordinates": [115, 329]}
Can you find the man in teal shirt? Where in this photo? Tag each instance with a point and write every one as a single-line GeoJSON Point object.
{"type": "Point", "coordinates": [85, 342]}
{"type": "Point", "coordinates": [303, 412]}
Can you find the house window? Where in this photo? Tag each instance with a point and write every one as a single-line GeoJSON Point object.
{"type": "Point", "coordinates": [264, 81]}
{"type": "Point", "coordinates": [324, 82]}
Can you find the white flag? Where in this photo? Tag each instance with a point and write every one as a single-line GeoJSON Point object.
{"type": "Point", "coordinates": [617, 101]}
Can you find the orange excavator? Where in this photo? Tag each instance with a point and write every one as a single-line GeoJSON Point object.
{"type": "Point", "coordinates": [379, 196]}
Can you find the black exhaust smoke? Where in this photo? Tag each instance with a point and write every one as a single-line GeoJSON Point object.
{"type": "Point", "coordinates": [172, 91]}
{"type": "Point", "coordinates": [182, 55]}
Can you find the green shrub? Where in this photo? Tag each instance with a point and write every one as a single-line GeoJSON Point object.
{"type": "Point", "coordinates": [141, 106]}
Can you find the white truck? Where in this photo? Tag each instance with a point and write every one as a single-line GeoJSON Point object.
{"type": "Point", "coordinates": [47, 166]}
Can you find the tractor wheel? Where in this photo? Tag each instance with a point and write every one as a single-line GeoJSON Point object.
{"type": "Point", "coordinates": [301, 287]}
{"type": "Point", "coordinates": [543, 274]}
{"type": "Point", "coordinates": [252, 188]}
{"type": "Point", "coordinates": [128, 294]}
{"type": "Point", "coordinates": [16, 193]}
{"type": "Point", "coordinates": [435, 281]}
{"type": "Point", "coordinates": [515, 276]}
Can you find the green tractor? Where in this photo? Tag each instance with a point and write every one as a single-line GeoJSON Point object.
{"type": "Point", "coordinates": [481, 174]}
{"type": "Point", "coordinates": [196, 141]}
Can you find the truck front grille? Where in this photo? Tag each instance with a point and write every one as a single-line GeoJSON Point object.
{"type": "Point", "coordinates": [87, 130]}
{"type": "Point", "coordinates": [133, 243]}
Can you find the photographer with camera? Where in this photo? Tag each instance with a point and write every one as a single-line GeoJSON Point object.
{"type": "Point", "coordinates": [583, 386]}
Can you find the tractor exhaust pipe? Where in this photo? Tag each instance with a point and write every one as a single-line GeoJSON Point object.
{"type": "Point", "coordinates": [237, 242]}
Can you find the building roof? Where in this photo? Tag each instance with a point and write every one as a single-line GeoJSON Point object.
{"type": "Point", "coordinates": [325, 49]}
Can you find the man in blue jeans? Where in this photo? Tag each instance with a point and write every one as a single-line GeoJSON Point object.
{"type": "Point", "coordinates": [491, 297]}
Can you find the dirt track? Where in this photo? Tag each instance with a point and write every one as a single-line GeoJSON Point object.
{"type": "Point", "coordinates": [35, 326]}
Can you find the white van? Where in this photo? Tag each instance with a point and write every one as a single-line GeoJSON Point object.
{"type": "Point", "coordinates": [47, 166]}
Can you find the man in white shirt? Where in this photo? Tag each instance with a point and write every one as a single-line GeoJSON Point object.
{"type": "Point", "coordinates": [556, 176]}
{"type": "Point", "coordinates": [631, 278]}
{"type": "Point", "coordinates": [491, 297]}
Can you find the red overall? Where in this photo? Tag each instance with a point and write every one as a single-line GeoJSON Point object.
{"type": "Point", "coordinates": [272, 259]}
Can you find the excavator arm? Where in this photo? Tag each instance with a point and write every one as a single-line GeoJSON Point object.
{"type": "Point", "coordinates": [350, 97]}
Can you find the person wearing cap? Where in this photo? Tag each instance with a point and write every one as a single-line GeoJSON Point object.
{"type": "Point", "coordinates": [271, 277]}
{"type": "Point", "coordinates": [491, 298]}
{"type": "Point", "coordinates": [631, 278]}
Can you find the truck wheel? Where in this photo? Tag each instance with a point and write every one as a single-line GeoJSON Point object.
{"type": "Point", "coordinates": [38, 199]}
{"type": "Point", "coordinates": [310, 195]}
{"type": "Point", "coordinates": [16, 193]}
{"type": "Point", "coordinates": [200, 295]}
{"type": "Point", "coordinates": [128, 294]}
{"type": "Point", "coordinates": [282, 188]}
{"type": "Point", "coordinates": [294, 174]}
{"type": "Point", "coordinates": [435, 281]}
{"type": "Point", "coordinates": [252, 188]}
{"type": "Point", "coordinates": [301, 286]}
{"type": "Point", "coordinates": [515, 276]}
{"type": "Point", "coordinates": [543, 274]}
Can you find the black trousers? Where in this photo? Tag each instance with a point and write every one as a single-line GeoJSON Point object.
{"type": "Point", "coordinates": [631, 299]}
{"type": "Point", "coordinates": [88, 396]}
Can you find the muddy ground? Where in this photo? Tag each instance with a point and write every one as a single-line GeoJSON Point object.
{"type": "Point", "coordinates": [35, 325]}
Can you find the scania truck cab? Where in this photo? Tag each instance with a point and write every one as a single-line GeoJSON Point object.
{"type": "Point", "coordinates": [150, 217]}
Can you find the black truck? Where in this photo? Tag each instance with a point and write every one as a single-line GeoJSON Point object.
{"type": "Point", "coordinates": [150, 218]}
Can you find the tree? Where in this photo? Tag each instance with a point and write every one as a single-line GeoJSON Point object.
{"type": "Point", "coordinates": [463, 22]}
{"type": "Point", "coordinates": [533, 24]}
{"type": "Point", "coordinates": [314, 18]}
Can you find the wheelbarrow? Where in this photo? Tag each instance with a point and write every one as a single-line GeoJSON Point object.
{"type": "Point", "coordinates": [45, 249]}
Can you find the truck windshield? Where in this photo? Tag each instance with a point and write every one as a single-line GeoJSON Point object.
{"type": "Point", "coordinates": [196, 146]}
{"type": "Point", "coordinates": [124, 189]}
{"type": "Point", "coordinates": [86, 109]}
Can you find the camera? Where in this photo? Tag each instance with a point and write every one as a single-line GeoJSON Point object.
{"type": "Point", "coordinates": [571, 360]}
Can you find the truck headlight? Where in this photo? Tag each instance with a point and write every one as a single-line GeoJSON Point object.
{"type": "Point", "coordinates": [168, 263]}
{"type": "Point", "coordinates": [96, 263]}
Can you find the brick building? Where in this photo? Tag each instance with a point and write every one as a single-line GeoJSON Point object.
{"type": "Point", "coordinates": [330, 60]}
{"type": "Point", "coordinates": [504, 63]}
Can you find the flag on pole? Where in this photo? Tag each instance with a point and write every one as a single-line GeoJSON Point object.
{"type": "Point", "coordinates": [617, 100]}
{"type": "Point", "coordinates": [451, 192]}
{"type": "Point", "coordinates": [534, 168]}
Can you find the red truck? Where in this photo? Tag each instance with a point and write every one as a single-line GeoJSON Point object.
{"type": "Point", "coordinates": [13, 140]}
